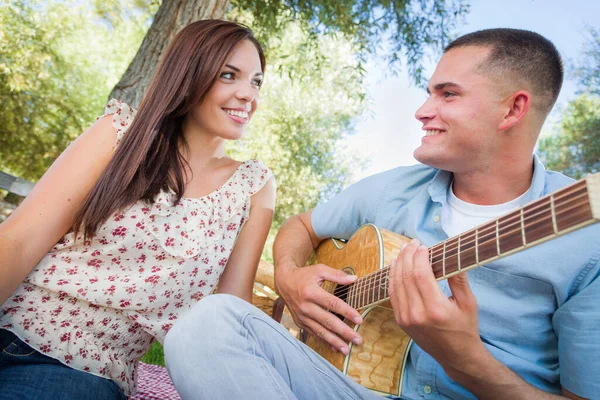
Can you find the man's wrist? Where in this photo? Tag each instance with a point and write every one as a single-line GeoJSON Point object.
{"type": "Point", "coordinates": [483, 375]}
{"type": "Point", "coordinates": [473, 367]}
{"type": "Point", "coordinates": [282, 270]}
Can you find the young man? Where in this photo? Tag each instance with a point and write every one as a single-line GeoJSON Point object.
{"type": "Point", "coordinates": [526, 326]}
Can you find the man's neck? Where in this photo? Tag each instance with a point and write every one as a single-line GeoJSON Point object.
{"type": "Point", "coordinates": [493, 187]}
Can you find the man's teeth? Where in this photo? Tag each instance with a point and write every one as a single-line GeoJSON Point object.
{"type": "Point", "coordinates": [241, 114]}
{"type": "Point", "coordinates": [433, 132]}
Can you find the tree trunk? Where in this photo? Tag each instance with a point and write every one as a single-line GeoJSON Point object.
{"type": "Point", "coordinates": [171, 16]}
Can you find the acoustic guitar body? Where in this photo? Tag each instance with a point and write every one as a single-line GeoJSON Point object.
{"type": "Point", "coordinates": [378, 364]}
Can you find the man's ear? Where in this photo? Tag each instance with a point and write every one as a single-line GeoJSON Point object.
{"type": "Point", "coordinates": [518, 105]}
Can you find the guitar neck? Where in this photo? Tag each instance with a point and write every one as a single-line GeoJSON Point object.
{"type": "Point", "coordinates": [566, 210]}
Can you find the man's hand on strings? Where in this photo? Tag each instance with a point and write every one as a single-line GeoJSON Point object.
{"type": "Point", "coordinates": [311, 306]}
{"type": "Point", "coordinates": [446, 328]}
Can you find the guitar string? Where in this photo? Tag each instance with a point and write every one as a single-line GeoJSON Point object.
{"type": "Point", "coordinates": [372, 277]}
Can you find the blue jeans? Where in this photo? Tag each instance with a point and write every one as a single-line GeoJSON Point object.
{"type": "Point", "coordinates": [28, 374]}
{"type": "Point", "coordinates": [227, 349]}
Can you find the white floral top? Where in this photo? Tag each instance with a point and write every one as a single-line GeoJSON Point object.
{"type": "Point", "coordinates": [97, 306]}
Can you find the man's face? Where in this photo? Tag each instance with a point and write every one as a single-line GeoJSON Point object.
{"type": "Point", "coordinates": [462, 114]}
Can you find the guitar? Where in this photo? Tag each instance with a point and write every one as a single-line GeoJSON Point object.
{"type": "Point", "coordinates": [379, 363]}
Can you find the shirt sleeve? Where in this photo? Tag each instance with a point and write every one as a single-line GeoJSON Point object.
{"type": "Point", "coordinates": [122, 117]}
{"type": "Point", "coordinates": [577, 324]}
{"type": "Point", "coordinates": [341, 216]}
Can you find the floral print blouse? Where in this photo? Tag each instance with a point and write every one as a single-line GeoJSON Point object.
{"type": "Point", "coordinates": [97, 306]}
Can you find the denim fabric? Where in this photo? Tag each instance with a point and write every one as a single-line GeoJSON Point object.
{"type": "Point", "coordinates": [227, 349]}
{"type": "Point", "coordinates": [27, 374]}
{"type": "Point", "coordinates": [539, 312]}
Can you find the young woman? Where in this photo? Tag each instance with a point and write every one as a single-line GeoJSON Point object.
{"type": "Point", "coordinates": [140, 218]}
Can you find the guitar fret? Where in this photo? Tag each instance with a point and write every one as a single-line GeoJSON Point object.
{"type": "Point", "coordinates": [509, 233]}
{"type": "Point", "coordinates": [387, 283]}
{"type": "Point", "coordinates": [360, 294]}
{"type": "Point", "coordinates": [368, 282]}
{"type": "Point", "coordinates": [379, 289]}
{"type": "Point", "coordinates": [538, 217]}
{"type": "Point", "coordinates": [498, 236]}
{"type": "Point", "coordinates": [574, 208]}
{"type": "Point", "coordinates": [444, 260]}
{"type": "Point", "coordinates": [382, 284]}
{"type": "Point", "coordinates": [523, 228]}
{"type": "Point", "coordinates": [488, 241]}
{"type": "Point", "coordinates": [459, 253]}
{"type": "Point", "coordinates": [468, 251]}
{"type": "Point", "coordinates": [552, 210]}
{"type": "Point", "coordinates": [356, 293]}
{"type": "Point", "coordinates": [477, 245]}
{"type": "Point", "coordinates": [366, 298]}
{"type": "Point", "coordinates": [373, 289]}
{"type": "Point", "coordinates": [364, 293]}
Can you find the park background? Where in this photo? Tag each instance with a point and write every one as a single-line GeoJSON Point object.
{"type": "Point", "coordinates": [343, 81]}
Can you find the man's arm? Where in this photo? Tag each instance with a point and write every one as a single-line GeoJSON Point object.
{"type": "Point", "coordinates": [300, 286]}
{"type": "Point", "coordinates": [447, 328]}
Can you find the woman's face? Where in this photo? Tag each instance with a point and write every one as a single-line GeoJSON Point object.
{"type": "Point", "coordinates": [231, 102]}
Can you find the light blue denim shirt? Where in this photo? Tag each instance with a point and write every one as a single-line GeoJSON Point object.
{"type": "Point", "coordinates": [539, 310]}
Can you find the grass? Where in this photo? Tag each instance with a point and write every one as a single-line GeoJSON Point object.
{"type": "Point", "coordinates": [155, 355]}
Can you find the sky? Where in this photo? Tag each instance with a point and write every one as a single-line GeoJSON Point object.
{"type": "Point", "coordinates": [388, 133]}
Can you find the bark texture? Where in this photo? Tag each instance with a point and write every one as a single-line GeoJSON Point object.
{"type": "Point", "coordinates": [170, 18]}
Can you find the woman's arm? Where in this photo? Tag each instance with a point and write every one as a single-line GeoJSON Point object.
{"type": "Point", "coordinates": [239, 274]}
{"type": "Point", "coordinates": [48, 212]}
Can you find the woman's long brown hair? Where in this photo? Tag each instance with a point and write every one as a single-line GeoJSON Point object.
{"type": "Point", "coordinates": [148, 159]}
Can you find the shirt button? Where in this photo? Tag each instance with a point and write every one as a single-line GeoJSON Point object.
{"type": "Point", "coordinates": [427, 388]}
{"type": "Point", "coordinates": [436, 218]}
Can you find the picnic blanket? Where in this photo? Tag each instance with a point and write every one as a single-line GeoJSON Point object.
{"type": "Point", "coordinates": [154, 384]}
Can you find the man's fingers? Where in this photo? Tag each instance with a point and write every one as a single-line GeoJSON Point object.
{"type": "Point", "coordinates": [413, 307]}
{"type": "Point", "coordinates": [336, 275]}
{"type": "Point", "coordinates": [336, 305]}
{"type": "Point", "coordinates": [425, 279]}
{"type": "Point", "coordinates": [334, 341]}
{"type": "Point", "coordinates": [311, 312]}
{"type": "Point", "coordinates": [332, 330]}
{"type": "Point", "coordinates": [461, 291]}
{"type": "Point", "coordinates": [334, 324]}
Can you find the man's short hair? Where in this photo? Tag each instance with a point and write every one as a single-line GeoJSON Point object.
{"type": "Point", "coordinates": [522, 56]}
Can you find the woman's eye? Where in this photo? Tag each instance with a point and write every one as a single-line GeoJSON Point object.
{"type": "Point", "coordinates": [449, 94]}
{"type": "Point", "coordinates": [257, 82]}
{"type": "Point", "coordinates": [228, 75]}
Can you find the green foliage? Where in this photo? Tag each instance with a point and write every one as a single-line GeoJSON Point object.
{"type": "Point", "coordinates": [56, 68]}
{"type": "Point", "coordinates": [410, 26]}
{"type": "Point", "coordinates": [575, 148]}
{"type": "Point", "coordinates": [304, 117]}
{"type": "Point", "coordinates": [587, 72]}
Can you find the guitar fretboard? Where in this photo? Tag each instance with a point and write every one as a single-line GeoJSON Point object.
{"type": "Point", "coordinates": [550, 216]}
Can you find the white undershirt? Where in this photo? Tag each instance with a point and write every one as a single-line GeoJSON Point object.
{"type": "Point", "coordinates": [461, 216]}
